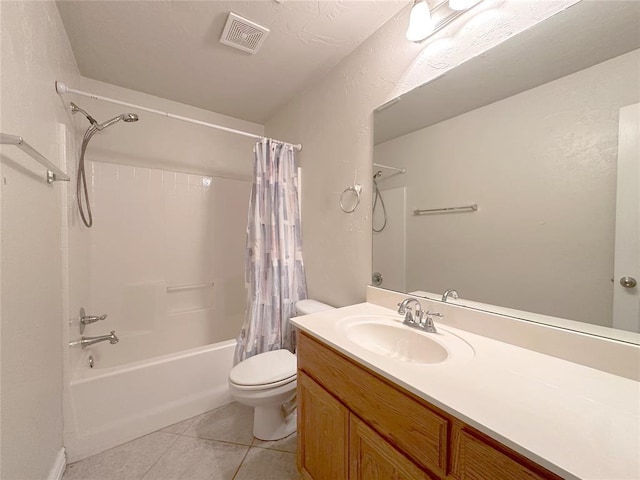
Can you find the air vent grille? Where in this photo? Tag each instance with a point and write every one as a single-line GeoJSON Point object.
{"type": "Point", "coordinates": [243, 34]}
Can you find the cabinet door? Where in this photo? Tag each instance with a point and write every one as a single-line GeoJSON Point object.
{"type": "Point", "coordinates": [323, 432]}
{"type": "Point", "coordinates": [372, 458]}
{"type": "Point", "coordinates": [477, 460]}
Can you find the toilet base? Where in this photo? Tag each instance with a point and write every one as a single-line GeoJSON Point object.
{"type": "Point", "coordinates": [269, 423]}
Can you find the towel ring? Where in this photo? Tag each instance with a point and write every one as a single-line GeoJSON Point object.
{"type": "Point", "coordinates": [356, 189]}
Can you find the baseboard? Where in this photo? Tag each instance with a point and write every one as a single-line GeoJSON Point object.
{"type": "Point", "coordinates": [58, 467]}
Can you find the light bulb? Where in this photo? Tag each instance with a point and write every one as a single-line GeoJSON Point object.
{"type": "Point", "coordinates": [420, 23]}
{"type": "Point", "coordinates": [462, 4]}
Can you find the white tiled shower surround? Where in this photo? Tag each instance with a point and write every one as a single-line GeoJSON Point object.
{"type": "Point", "coordinates": [155, 230]}
{"type": "Point", "coordinates": [165, 261]}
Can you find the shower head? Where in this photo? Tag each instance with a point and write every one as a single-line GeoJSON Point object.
{"type": "Point", "coordinates": [75, 109]}
{"type": "Point", "coordinates": [377, 175]}
{"type": "Point", "coordinates": [82, 195]}
{"type": "Point", "coordinates": [127, 117]}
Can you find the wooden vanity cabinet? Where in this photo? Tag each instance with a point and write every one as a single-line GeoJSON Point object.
{"type": "Point", "coordinates": [355, 425]}
{"type": "Point", "coordinates": [323, 442]}
{"type": "Point", "coordinates": [371, 456]}
{"type": "Point", "coordinates": [480, 458]}
{"type": "Point", "coordinates": [335, 444]}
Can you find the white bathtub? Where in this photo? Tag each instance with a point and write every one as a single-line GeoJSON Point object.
{"type": "Point", "coordinates": [109, 406]}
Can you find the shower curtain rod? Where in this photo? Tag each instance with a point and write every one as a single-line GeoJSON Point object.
{"type": "Point", "coordinates": [62, 88]}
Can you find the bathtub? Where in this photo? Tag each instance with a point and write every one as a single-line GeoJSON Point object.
{"type": "Point", "coordinates": [110, 406]}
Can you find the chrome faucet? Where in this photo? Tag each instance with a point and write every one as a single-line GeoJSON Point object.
{"type": "Point", "coordinates": [423, 319]}
{"type": "Point", "coordinates": [450, 292]}
{"type": "Point", "coordinates": [86, 341]}
{"type": "Point", "coordinates": [405, 309]}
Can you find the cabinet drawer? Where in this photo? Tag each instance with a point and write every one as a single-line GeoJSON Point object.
{"type": "Point", "coordinates": [476, 459]}
{"type": "Point", "coordinates": [400, 419]}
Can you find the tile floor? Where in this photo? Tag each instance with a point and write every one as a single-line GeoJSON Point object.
{"type": "Point", "coordinates": [217, 445]}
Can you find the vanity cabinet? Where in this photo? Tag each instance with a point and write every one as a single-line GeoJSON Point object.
{"type": "Point", "coordinates": [371, 456]}
{"type": "Point", "coordinates": [323, 444]}
{"type": "Point", "coordinates": [354, 424]}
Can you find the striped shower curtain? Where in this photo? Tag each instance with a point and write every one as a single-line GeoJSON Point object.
{"type": "Point", "coordinates": [274, 271]}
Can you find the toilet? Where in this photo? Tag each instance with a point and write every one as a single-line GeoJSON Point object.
{"type": "Point", "coordinates": [267, 382]}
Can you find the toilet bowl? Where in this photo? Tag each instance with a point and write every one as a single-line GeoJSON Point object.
{"type": "Point", "coordinates": [267, 382]}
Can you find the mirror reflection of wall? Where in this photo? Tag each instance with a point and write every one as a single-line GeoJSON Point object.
{"type": "Point", "coordinates": [541, 165]}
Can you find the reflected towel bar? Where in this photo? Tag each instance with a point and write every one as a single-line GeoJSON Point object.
{"type": "Point", "coordinates": [54, 174]}
{"type": "Point", "coordinates": [399, 170]}
{"type": "Point", "coordinates": [179, 288]}
{"type": "Point", "coordinates": [465, 208]}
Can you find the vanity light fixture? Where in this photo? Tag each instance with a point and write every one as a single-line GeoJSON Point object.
{"type": "Point", "coordinates": [421, 23]}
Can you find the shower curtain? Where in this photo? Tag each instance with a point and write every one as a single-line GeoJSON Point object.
{"type": "Point", "coordinates": [274, 270]}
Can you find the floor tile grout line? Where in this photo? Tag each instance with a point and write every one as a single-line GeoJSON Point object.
{"type": "Point", "coordinates": [241, 462]}
{"type": "Point", "coordinates": [216, 440]}
{"type": "Point", "coordinates": [162, 455]}
{"type": "Point", "coordinates": [272, 448]}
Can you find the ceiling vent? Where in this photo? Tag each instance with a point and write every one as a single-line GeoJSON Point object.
{"type": "Point", "coordinates": [243, 34]}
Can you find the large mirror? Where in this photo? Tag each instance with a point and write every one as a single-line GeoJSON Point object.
{"type": "Point", "coordinates": [514, 177]}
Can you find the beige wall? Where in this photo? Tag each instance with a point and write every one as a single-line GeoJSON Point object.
{"type": "Point", "coordinates": [35, 52]}
{"type": "Point", "coordinates": [542, 167]}
{"type": "Point", "coordinates": [333, 120]}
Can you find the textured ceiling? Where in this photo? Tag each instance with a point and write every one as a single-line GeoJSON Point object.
{"type": "Point", "coordinates": [171, 49]}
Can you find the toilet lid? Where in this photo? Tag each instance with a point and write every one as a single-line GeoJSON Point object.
{"type": "Point", "coordinates": [265, 368]}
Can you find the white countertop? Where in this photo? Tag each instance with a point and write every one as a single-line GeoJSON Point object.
{"type": "Point", "coordinates": [576, 421]}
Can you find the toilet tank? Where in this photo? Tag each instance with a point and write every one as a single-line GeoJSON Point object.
{"type": "Point", "coordinates": [309, 306]}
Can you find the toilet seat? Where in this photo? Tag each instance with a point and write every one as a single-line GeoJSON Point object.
{"type": "Point", "coordinates": [264, 371]}
{"type": "Point", "coordinates": [266, 386]}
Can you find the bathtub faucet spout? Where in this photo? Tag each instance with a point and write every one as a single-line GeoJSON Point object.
{"type": "Point", "coordinates": [86, 341]}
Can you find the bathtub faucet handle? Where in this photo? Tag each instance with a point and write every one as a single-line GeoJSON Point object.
{"type": "Point", "coordinates": [87, 319]}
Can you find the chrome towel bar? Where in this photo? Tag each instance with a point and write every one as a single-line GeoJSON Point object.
{"type": "Point", "coordinates": [54, 174]}
{"type": "Point", "coordinates": [464, 208]}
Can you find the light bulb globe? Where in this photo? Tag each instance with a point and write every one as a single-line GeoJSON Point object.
{"type": "Point", "coordinates": [420, 23]}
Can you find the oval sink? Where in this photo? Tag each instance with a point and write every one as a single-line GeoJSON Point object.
{"type": "Point", "coordinates": [397, 342]}
{"type": "Point", "coordinates": [385, 335]}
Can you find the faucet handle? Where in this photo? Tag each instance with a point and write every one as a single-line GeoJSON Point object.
{"type": "Point", "coordinates": [87, 319]}
{"type": "Point", "coordinates": [428, 324]}
{"type": "Point", "coordinates": [408, 318]}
